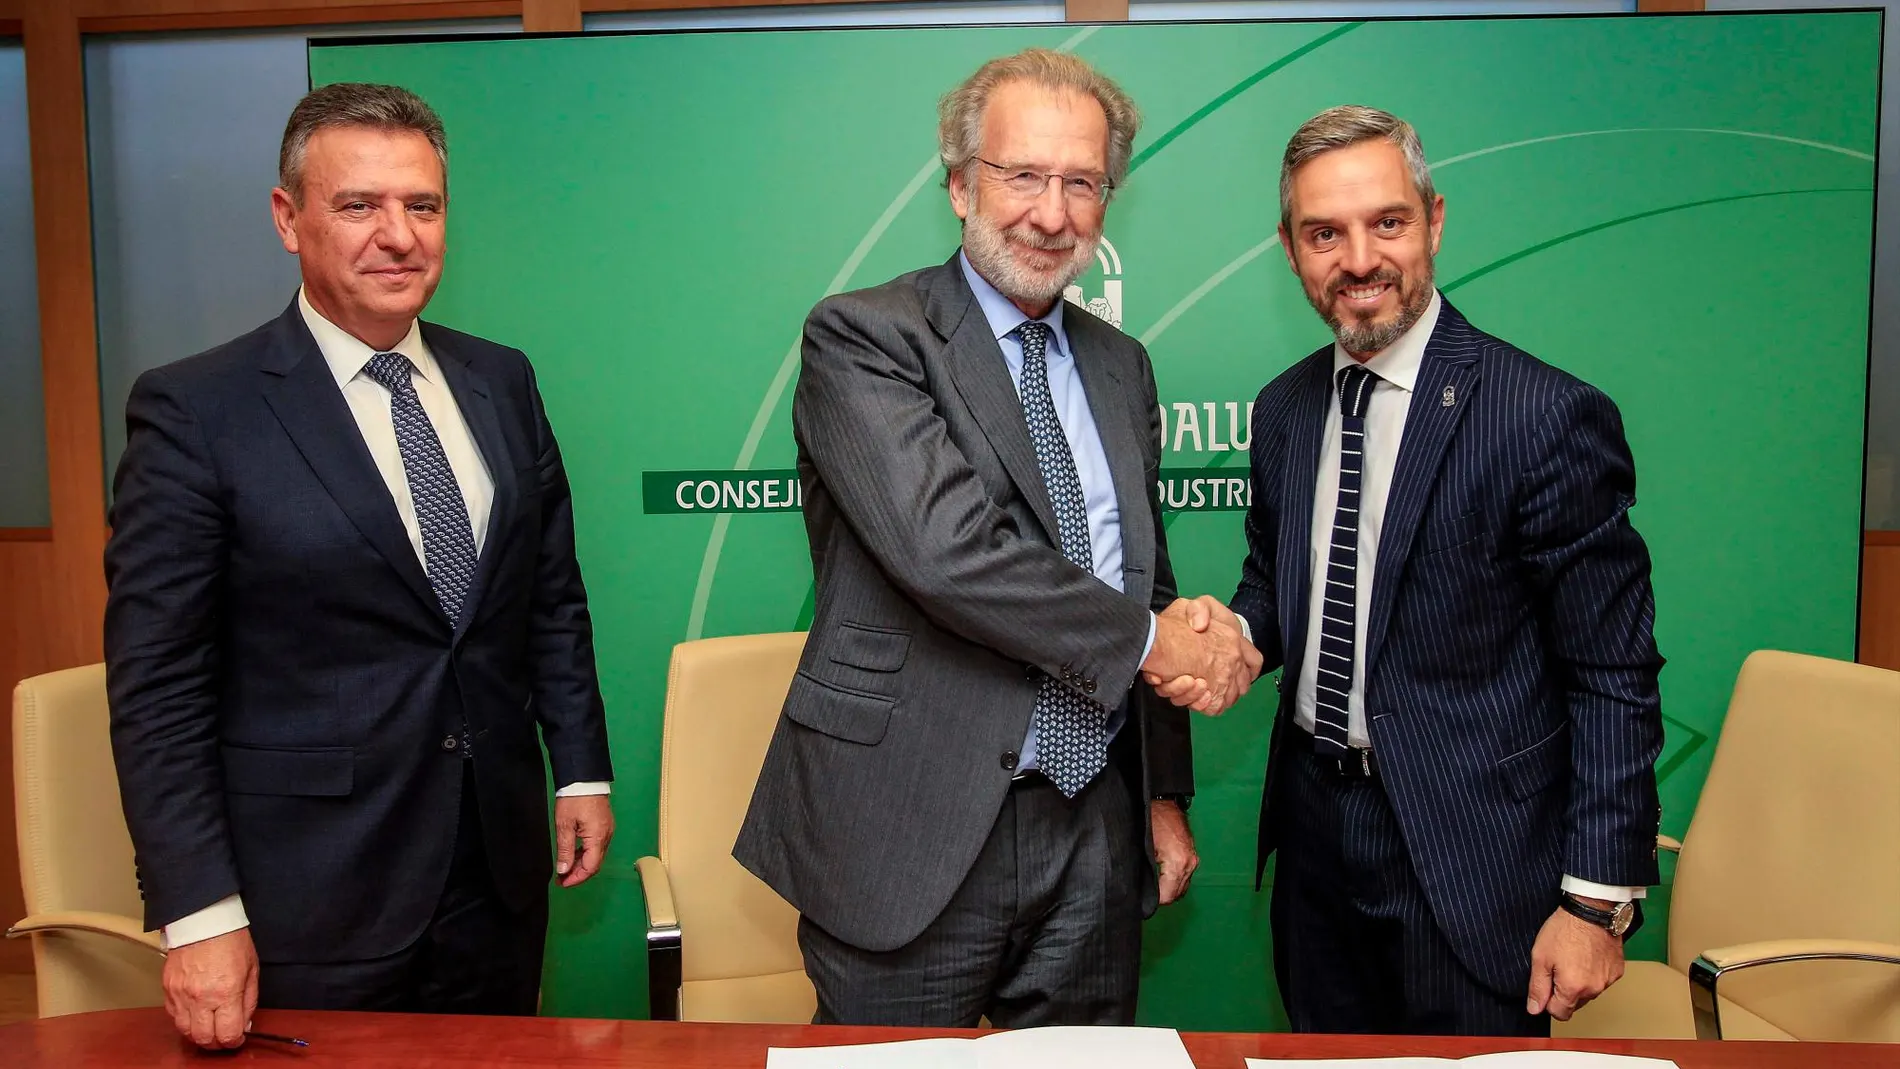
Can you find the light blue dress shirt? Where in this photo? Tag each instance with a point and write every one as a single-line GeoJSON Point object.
{"type": "Point", "coordinates": [1085, 442]}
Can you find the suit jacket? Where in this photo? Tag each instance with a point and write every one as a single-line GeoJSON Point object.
{"type": "Point", "coordinates": [941, 601]}
{"type": "Point", "coordinates": [1510, 665]}
{"type": "Point", "coordinates": [283, 681]}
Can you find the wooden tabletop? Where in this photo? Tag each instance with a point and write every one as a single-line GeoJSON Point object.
{"type": "Point", "coordinates": [144, 1038]}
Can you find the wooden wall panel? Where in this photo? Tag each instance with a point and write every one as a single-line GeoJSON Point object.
{"type": "Point", "coordinates": [69, 362]}
{"type": "Point", "coordinates": [359, 11]}
{"type": "Point", "coordinates": [551, 16]}
{"type": "Point", "coordinates": [1880, 600]}
{"type": "Point", "coordinates": [1095, 10]}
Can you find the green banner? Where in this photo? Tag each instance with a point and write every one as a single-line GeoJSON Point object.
{"type": "Point", "coordinates": [1679, 210]}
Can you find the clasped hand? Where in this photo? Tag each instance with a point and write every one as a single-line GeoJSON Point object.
{"type": "Point", "coordinates": [1200, 657]}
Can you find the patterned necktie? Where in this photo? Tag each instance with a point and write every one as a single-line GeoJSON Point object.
{"type": "Point", "coordinates": [1339, 609]}
{"type": "Point", "coordinates": [1071, 730]}
{"type": "Point", "coordinates": [448, 542]}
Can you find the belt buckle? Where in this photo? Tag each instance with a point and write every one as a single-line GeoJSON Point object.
{"type": "Point", "coordinates": [1356, 763]}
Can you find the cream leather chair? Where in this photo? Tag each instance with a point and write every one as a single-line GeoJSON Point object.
{"type": "Point", "coordinates": [721, 945]}
{"type": "Point", "coordinates": [1785, 918]}
{"type": "Point", "coordinates": [89, 953]}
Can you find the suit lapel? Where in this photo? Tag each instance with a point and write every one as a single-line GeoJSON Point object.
{"type": "Point", "coordinates": [1106, 392]}
{"type": "Point", "coordinates": [303, 394]}
{"type": "Point", "coordinates": [1306, 432]}
{"type": "Point", "coordinates": [472, 395]}
{"type": "Point", "coordinates": [983, 380]}
{"type": "Point", "coordinates": [1449, 371]}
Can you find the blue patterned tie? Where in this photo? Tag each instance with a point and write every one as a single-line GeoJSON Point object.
{"type": "Point", "coordinates": [448, 542]}
{"type": "Point", "coordinates": [1071, 730]}
{"type": "Point", "coordinates": [1339, 609]}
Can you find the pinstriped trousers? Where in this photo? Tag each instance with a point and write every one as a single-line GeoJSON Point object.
{"type": "Point", "coordinates": [1356, 948]}
{"type": "Point", "coordinates": [1045, 929]}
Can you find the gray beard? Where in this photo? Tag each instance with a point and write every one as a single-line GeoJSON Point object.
{"type": "Point", "coordinates": [986, 246]}
{"type": "Point", "coordinates": [1377, 337]}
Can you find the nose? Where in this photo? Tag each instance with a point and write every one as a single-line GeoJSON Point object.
{"type": "Point", "coordinates": [1358, 256]}
{"type": "Point", "coordinates": [1049, 212]}
{"type": "Point", "coordinates": [397, 232]}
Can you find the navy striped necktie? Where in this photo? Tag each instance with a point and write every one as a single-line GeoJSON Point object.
{"type": "Point", "coordinates": [1339, 604]}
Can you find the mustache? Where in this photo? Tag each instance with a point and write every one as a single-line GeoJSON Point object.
{"type": "Point", "coordinates": [1347, 281]}
{"type": "Point", "coordinates": [1036, 239]}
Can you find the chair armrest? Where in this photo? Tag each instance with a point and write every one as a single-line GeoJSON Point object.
{"type": "Point", "coordinates": [82, 920]}
{"type": "Point", "coordinates": [663, 941]}
{"type": "Point", "coordinates": [1711, 965]}
{"type": "Point", "coordinates": [1672, 845]}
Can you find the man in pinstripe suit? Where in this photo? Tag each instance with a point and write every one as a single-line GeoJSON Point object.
{"type": "Point", "coordinates": [1461, 780]}
{"type": "Point", "coordinates": [967, 786]}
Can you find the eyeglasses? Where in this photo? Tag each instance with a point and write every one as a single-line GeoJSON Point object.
{"type": "Point", "coordinates": [1024, 183]}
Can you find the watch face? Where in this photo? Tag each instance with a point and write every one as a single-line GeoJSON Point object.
{"type": "Point", "coordinates": [1621, 917]}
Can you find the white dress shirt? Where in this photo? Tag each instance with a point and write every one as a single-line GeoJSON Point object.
{"type": "Point", "coordinates": [1397, 368]}
{"type": "Point", "coordinates": [369, 403]}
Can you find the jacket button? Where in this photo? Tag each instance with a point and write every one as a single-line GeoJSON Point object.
{"type": "Point", "coordinates": [450, 743]}
{"type": "Point", "coordinates": [1029, 671]}
{"type": "Point", "coordinates": [1088, 686]}
{"type": "Point", "coordinates": [1009, 760]}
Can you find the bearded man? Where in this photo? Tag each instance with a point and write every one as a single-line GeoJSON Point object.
{"type": "Point", "coordinates": [970, 789]}
{"type": "Point", "coordinates": [1461, 780]}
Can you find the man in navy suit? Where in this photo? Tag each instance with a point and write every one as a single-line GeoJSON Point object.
{"type": "Point", "coordinates": [343, 597]}
{"type": "Point", "coordinates": [1461, 779]}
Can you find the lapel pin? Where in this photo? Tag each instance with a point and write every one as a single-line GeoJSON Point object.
{"type": "Point", "coordinates": [1449, 399]}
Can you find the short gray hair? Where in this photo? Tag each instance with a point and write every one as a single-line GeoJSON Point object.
{"type": "Point", "coordinates": [1343, 127]}
{"type": "Point", "coordinates": [960, 112]}
{"type": "Point", "coordinates": [379, 107]}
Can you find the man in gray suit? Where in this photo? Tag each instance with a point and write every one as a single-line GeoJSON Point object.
{"type": "Point", "coordinates": [966, 788]}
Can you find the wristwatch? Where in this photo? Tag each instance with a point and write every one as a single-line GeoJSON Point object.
{"type": "Point", "coordinates": [1182, 800]}
{"type": "Point", "coordinates": [1615, 920]}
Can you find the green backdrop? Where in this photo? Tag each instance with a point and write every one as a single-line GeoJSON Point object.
{"type": "Point", "coordinates": [1677, 209]}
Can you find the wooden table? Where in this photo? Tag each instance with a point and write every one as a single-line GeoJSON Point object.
{"type": "Point", "coordinates": [144, 1038]}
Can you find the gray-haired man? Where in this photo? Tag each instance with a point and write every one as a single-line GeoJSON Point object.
{"type": "Point", "coordinates": [968, 783]}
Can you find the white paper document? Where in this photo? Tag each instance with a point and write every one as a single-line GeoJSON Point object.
{"type": "Point", "coordinates": [1024, 1048]}
{"type": "Point", "coordinates": [1516, 1059]}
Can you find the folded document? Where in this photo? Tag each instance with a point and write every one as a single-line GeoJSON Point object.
{"type": "Point", "coordinates": [1516, 1059]}
{"type": "Point", "coordinates": [1023, 1048]}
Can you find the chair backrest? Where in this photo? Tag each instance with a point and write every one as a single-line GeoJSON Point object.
{"type": "Point", "coordinates": [1797, 836]}
{"type": "Point", "coordinates": [75, 853]}
{"type": "Point", "coordinates": [739, 949]}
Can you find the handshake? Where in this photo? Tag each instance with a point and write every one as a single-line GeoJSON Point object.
{"type": "Point", "coordinates": [1200, 657]}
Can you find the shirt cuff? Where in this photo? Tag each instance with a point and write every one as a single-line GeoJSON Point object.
{"type": "Point", "coordinates": [1154, 622]}
{"type": "Point", "coordinates": [1607, 892]}
{"type": "Point", "coordinates": [1246, 629]}
{"type": "Point", "coordinates": [222, 917]}
{"type": "Point", "coordinates": [584, 787]}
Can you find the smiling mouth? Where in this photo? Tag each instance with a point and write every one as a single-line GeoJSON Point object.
{"type": "Point", "coordinates": [1365, 294]}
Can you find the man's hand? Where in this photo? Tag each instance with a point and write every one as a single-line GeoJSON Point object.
{"type": "Point", "coordinates": [586, 821]}
{"type": "Point", "coordinates": [211, 989]}
{"type": "Point", "coordinates": [1572, 962]}
{"type": "Point", "coordinates": [1236, 663]}
{"type": "Point", "coordinates": [1174, 848]}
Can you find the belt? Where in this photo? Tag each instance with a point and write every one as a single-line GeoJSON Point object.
{"type": "Point", "coordinates": [1029, 777]}
{"type": "Point", "coordinates": [1355, 763]}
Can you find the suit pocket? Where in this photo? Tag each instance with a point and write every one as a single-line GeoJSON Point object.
{"type": "Point", "coordinates": [851, 715]}
{"type": "Point", "coordinates": [873, 649]}
{"type": "Point", "coordinates": [1449, 534]}
{"type": "Point", "coordinates": [1537, 766]}
{"type": "Point", "coordinates": [320, 772]}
